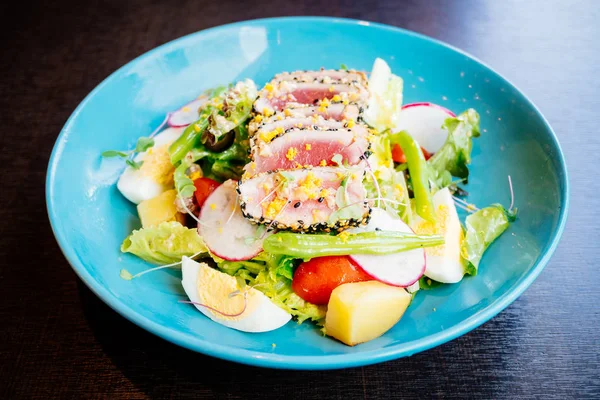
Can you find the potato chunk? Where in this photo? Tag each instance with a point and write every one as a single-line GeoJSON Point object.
{"type": "Point", "coordinates": [362, 311]}
{"type": "Point", "coordinates": [159, 209]}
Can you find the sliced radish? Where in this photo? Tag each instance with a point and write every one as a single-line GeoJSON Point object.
{"type": "Point", "coordinates": [424, 123]}
{"type": "Point", "coordinates": [186, 114]}
{"type": "Point", "coordinates": [399, 269]}
{"type": "Point", "coordinates": [226, 232]}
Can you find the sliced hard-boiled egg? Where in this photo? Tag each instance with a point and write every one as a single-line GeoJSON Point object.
{"type": "Point", "coordinates": [250, 311]}
{"type": "Point", "coordinates": [156, 173]}
{"type": "Point", "coordinates": [444, 263]}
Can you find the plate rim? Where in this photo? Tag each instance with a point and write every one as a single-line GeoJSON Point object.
{"type": "Point", "coordinates": [273, 360]}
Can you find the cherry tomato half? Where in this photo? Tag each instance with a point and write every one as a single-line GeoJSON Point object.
{"type": "Point", "coordinates": [314, 280]}
{"type": "Point", "coordinates": [204, 187]}
{"type": "Point", "coordinates": [399, 157]}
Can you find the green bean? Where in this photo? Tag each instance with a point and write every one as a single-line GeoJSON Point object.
{"type": "Point", "coordinates": [188, 139]}
{"type": "Point", "coordinates": [318, 245]}
{"type": "Point", "coordinates": [419, 174]}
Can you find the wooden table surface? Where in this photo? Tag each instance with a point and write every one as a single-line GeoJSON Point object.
{"type": "Point", "coordinates": [58, 340]}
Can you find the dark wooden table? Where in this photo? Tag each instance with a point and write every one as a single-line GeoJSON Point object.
{"type": "Point", "coordinates": [57, 340]}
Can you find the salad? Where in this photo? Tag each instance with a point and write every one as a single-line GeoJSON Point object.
{"type": "Point", "coordinates": [319, 197]}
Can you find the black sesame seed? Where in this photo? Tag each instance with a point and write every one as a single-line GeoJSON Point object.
{"type": "Point", "coordinates": [301, 222]}
{"type": "Point", "coordinates": [377, 229]}
{"type": "Point", "coordinates": [298, 204]}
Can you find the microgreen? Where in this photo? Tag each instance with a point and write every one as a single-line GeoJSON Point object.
{"type": "Point", "coordinates": [143, 144]}
{"type": "Point", "coordinates": [124, 274]}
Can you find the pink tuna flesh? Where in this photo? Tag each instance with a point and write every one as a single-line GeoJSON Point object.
{"type": "Point", "coordinates": [310, 147]}
{"type": "Point", "coordinates": [335, 112]}
{"type": "Point", "coordinates": [298, 94]}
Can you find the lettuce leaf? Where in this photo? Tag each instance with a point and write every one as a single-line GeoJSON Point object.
{"type": "Point", "coordinates": [455, 155]}
{"type": "Point", "coordinates": [231, 112]}
{"type": "Point", "coordinates": [273, 275]}
{"type": "Point", "coordinates": [426, 283]}
{"type": "Point", "coordinates": [482, 228]}
{"type": "Point", "coordinates": [386, 100]}
{"type": "Point", "coordinates": [236, 109]}
{"type": "Point", "coordinates": [165, 243]}
{"type": "Point", "coordinates": [392, 184]}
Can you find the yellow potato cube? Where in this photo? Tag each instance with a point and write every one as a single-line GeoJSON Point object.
{"type": "Point", "coordinates": [362, 311]}
{"type": "Point", "coordinates": [159, 209]}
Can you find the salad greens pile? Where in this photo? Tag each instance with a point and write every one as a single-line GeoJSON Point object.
{"type": "Point", "coordinates": [272, 275]}
{"type": "Point", "coordinates": [218, 140]}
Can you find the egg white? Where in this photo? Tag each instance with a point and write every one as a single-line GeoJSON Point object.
{"type": "Point", "coordinates": [260, 314]}
{"type": "Point", "coordinates": [444, 263]}
{"type": "Point", "coordinates": [137, 186]}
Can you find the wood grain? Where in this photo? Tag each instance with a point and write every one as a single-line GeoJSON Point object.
{"type": "Point", "coordinates": [57, 340]}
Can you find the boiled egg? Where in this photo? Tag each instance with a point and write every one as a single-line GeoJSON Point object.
{"type": "Point", "coordinates": [156, 173]}
{"type": "Point", "coordinates": [444, 263]}
{"type": "Point", "coordinates": [252, 312]}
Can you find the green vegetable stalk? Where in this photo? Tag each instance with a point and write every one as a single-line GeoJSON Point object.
{"type": "Point", "coordinates": [307, 246]}
{"type": "Point", "coordinates": [419, 174]}
{"type": "Point", "coordinates": [189, 138]}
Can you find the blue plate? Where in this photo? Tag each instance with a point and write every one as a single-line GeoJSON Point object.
{"type": "Point", "coordinates": [90, 218]}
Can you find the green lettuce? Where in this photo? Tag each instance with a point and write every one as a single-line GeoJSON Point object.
{"type": "Point", "coordinates": [455, 155]}
{"type": "Point", "coordinates": [482, 228]}
{"type": "Point", "coordinates": [228, 110]}
{"type": "Point", "coordinates": [227, 164]}
{"type": "Point", "coordinates": [386, 97]}
{"type": "Point", "coordinates": [392, 184]}
{"type": "Point", "coordinates": [426, 283]}
{"type": "Point", "coordinates": [165, 243]}
{"type": "Point", "coordinates": [273, 275]}
{"type": "Point", "coordinates": [236, 109]}
{"type": "Point", "coordinates": [388, 105]}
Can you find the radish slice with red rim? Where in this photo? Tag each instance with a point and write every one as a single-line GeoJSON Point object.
{"type": "Point", "coordinates": [187, 114]}
{"type": "Point", "coordinates": [226, 232]}
{"type": "Point", "coordinates": [399, 269]}
{"type": "Point", "coordinates": [424, 121]}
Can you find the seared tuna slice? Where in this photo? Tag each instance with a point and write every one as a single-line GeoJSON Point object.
{"type": "Point", "coordinates": [323, 76]}
{"type": "Point", "coordinates": [287, 94]}
{"type": "Point", "coordinates": [308, 147]}
{"type": "Point", "coordinates": [334, 112]}
{"type": "Point", "coordinates": [272, 130]}
{"type": "Point", "coordinates": [306, 199]}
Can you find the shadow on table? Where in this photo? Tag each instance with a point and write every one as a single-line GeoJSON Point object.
{"type": "Point", "coordinates": [161, 369]}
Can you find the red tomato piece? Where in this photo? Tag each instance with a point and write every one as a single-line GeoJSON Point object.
{"type": "Point", "coordinates": [426, 154]}
{"type": "Point", "coordinates": [399, 157]}
{"type": "Point", "coordinates": [314, 280]}
{"type": "Point", "coordinates": [204, 187]}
